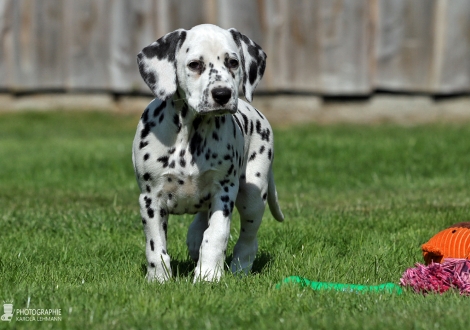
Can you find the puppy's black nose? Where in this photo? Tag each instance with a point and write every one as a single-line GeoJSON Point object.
{"type": "Point", "coordinates": [221, 95]}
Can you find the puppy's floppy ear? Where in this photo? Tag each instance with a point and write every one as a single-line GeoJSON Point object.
{"type": "Point", "coordinates": [253, 62]}
{"type": "Point", "coordinates": [157, 64]}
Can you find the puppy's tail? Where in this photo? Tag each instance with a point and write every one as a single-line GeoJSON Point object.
{"type": "Point", "coordinates": [272, 199]}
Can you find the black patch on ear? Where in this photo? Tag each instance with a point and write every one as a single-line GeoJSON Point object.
{"type": "Point", "coordinates": [166, 46]}
{"type": "Point", "coordinates": [253, 72]}
{"type": "Point", "coordinates": [151, 79]}
{"type": "Point", "coordinates": [262, 68]}
{"type": "Point", "coordinates": [166, 49]}
{"type": "Point", "coordinates": [252, 62]}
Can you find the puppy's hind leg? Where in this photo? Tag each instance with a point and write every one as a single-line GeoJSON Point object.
{"type": "Point", "coordinates": [195, 234]}
{"type": "Point", "coordinates": [251, 205]}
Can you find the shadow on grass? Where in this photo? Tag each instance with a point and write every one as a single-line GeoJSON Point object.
{"type": "Point", "coordinates": [179, 268]}
{"type": "Point", "coordinates": [261, 262]}
{"type": "Point", "coordinates": [182, 268]}
{"type": "Point", "coordinates": [185, 268]}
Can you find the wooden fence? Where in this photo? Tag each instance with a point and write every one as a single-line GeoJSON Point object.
{"type": "Point", "coordinates": [330, 47]}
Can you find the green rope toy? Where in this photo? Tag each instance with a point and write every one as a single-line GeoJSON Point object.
{"type": "Point", "coordinates": [387, 287]}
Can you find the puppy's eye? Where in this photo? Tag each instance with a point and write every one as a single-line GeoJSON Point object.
{"type": "Point", "coordinates": [195, 65]}
{"type": "Point", "coordinates": [232, 63]}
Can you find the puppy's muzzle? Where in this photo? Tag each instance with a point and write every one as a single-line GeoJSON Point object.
{"type": "Point", "coordinates": [221, 95]}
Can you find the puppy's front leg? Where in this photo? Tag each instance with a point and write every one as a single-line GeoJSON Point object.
{"type": "Point", "coordinates": [155, 222]}
{"type": "Point", "coordinates": [210, 266]}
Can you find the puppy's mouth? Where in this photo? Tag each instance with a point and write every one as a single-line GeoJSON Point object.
{"type": "Point", "coordinates": [217, 112]}
{"type": "Point", "coordinates": [206, 108]}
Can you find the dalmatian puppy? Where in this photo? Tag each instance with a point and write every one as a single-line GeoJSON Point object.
{"type": "Point", "coordinates": [199, 149]}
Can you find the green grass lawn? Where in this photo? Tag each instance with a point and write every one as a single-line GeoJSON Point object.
{"type": "Point", "coordinates": [359, 201]}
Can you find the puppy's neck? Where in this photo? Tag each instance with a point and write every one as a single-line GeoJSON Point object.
{"type": "Point", "coordinates": [189, 119]}
{"type": "Point", "coordinates": [183, 109]}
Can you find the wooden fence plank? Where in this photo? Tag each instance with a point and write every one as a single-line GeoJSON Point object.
{"type": "Point", "coordinates": [186, 14]}
{"type": "Point", "coordinates": [131, 30]}
{"type": "Point", "coordinates": [319, 46]}
{"type": "Point", "coordinates": [49, 43]}
{"type": "Point", "coordinates": [345, 34]}
{"type": "Point", "coordinates": [405, 45]}
{"type": "Point", "coordinates": [6, 43]}
{"type": "Point", "coordinates": [36, 58]}
{"type": "Point", "coordinates": [292, 46]}
{"type": "Point", "coordinates": [244, 15]}
{"type": "Point", "coordinates": [87, 50]}
{"type": "Point", "coordinates": [454, 50]}
{"type": "Point", "coordinates": [22, 58]}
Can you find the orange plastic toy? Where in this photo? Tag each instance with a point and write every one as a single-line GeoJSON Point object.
{"type": "Point", "coordinates": [453, 242]}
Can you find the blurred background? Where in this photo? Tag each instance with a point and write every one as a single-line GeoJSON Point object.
{"type": "Point", "coordinates": [328, 60]}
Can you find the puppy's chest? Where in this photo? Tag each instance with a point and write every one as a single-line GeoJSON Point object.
{"type": "Point", "coordinates": [185, 176]}
{"type": "Point", "coordinates": [183, 193]}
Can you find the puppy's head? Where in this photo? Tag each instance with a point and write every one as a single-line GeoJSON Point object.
{"type": "Point", "coordinates": [207, 64]}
